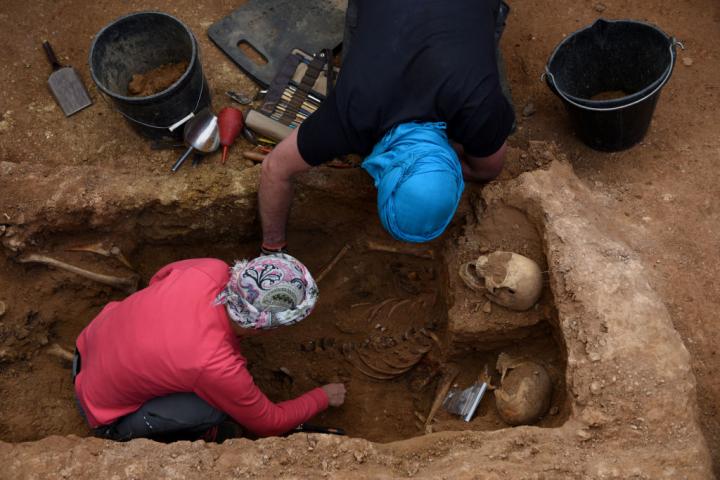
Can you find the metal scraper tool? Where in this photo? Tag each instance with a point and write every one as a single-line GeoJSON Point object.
{"type": "Point", "coordinates": [465, 402]}
{"type": "Point", "coordinates": [66, 85]}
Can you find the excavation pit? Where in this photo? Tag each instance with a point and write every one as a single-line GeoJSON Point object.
{"type": "Point", "coordinates": [372, 303]}
{"type": "Point", "coordinates": [624, 399]}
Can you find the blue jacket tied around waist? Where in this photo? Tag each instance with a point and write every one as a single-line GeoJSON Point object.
{"type": "Point", "coordinates": [419, 180]}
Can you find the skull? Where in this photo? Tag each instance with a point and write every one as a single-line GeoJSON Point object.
{"type": "Point", "coordinates": [525, 391]}
{"type": "Point", "coordinates": [511, 280]}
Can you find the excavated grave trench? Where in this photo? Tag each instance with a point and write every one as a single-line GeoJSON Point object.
{"type": "Point", "coordinates": [373, 304]}
{"type": "Point", "coordinates": [597, 317]}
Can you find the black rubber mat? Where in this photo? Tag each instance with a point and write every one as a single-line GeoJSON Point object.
{"type": "Point", "coordinates": [274, 28]}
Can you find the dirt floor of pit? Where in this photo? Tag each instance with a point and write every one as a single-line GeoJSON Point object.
{"type": "Point", "coordinates": [669, 185]}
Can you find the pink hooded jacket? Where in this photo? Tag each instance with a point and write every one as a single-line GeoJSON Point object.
{"type": "Point", "coordinates": [171, 338]}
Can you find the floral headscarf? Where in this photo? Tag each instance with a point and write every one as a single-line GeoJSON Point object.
{"type": "Point", "coordinates": [268, 292]}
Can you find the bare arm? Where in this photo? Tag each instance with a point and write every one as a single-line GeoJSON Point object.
{"type": "Point", "coordinates": [276, 189]}
{"type": "Point", "coordinates": [226, 384]}
{"type": "Point", "coordinates": [481, 169]}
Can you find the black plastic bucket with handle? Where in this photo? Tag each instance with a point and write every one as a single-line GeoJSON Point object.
{"type": "Point", "coordinates": [136, 44]}
{"type": "Point", "coordinates": [609, 77]}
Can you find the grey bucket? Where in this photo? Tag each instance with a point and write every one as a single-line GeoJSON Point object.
{"type": "Point", "coordinates": [140, 42]}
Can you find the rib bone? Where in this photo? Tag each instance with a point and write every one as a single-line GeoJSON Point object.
{"type": "Point", "coordinates": [377, 376]}
{"type": "Point", "coordinates": [381, 369]}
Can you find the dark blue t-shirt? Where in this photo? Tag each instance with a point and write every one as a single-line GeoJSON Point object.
{"type": "Point", "coordinates": [414, 60]}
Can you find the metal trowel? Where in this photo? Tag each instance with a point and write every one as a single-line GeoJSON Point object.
{"type": "Point", "coordinates": [465, 402]}
{"type": "Point", "coordinates": [66, 85]}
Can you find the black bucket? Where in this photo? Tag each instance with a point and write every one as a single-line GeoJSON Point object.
{"type": "Point", "coordinates": [632, 59]}
{"type": "Point", "coordinates": [138, 43]}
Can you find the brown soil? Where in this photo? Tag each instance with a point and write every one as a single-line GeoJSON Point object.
{"type": "Point", "coordinates": [89, 177]}
{"type": "Point", "coordinates": [156, 80]}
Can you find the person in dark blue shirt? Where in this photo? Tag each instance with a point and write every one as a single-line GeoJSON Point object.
{"type": "Point", "coordinates": [419, 96]}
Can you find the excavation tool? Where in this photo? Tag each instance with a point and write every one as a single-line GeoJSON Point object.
{"type": "Point", "coordinates": [239, 98]}
{"type": "Point", "coordinates": [249, 136]}
{"type": "Point", "coordinates": [266, 126]}
{"type": "Point", "coordinates": [230, 121]}
{"type": "Point", "coordinates": [272, 28]}
{"type": "Point", "coordinates": [254, 156]}
{"type": "Point", "coordinates": [201, 134]}
{"type": "Point", "coordinates": [465, 402]}
{"type": "Point", "coordinates": [305, 427]}
{"type": "Point", "coordinates": [66, 85]}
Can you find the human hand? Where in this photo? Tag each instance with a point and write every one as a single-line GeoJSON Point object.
{"type": "Point", "coordinates": [335, 393]}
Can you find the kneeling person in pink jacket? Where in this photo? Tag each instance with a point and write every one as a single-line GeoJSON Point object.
{"type": "Point", "coordinates": [166, 362]}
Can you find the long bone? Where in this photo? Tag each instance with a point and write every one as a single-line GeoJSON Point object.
{"type": "Point", "coordinates": [100, 249]}
{"type": "Point", "coordinates": [57, 351]}
{"type": "Point", "coordinates": [404, 250]}
{"type": "Point", "coordinates": [128, 284]}
{"type": "Point", "coordinates": [443, 387]}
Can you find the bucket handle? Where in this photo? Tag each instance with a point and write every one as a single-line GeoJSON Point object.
{"type": "Point", "coordinates": [170, 127]}
{"type": "Point", "coordinates": [673, 43]}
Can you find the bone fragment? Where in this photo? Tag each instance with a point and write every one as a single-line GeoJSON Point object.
{"type": "Point", "coordinates": [384, 369]}
{"type": "Point", "coordinates": [100, 249]}
{"type": "Point", "coordinates": [434, 338]}
{"type": "Point", "coordinates": [358, 365]}
{"type": "Point", "coordinates": [361, 304]}
{"type": "Point", "coordinates": [469, 276]}
{"type": "Point", "coordinates": [420, 349]}
{"type": "Point", "coordinates": [395, 307]}
{"type": "Point", "coordinates": [376, 309]}
{"type": "Point", "coordinates": [404, 250]}
{"type": "Point", "coordinates": [57, 351]}
{"type": "Point", "coordinates": [117, 253]}
{"type": "Point", "coordinates": [405, 365]}
{"type": "Point", "coordinates": [445, 383]}
{"type": "Point", "coordinates": [332, 263]}
{"type": "Point", "coordinates": [129, 284]}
